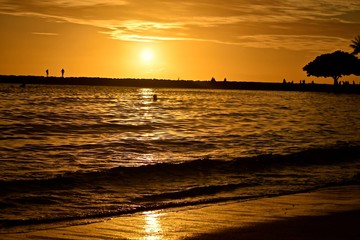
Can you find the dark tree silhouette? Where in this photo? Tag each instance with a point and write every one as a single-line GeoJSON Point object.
{"type": "Point", "coordinates": [355, 44]}
{"type": "Point", "coordinates": [335, 65]}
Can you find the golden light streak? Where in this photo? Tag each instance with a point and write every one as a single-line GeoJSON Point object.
{"type": "Point", "coordinates": [152, 228]}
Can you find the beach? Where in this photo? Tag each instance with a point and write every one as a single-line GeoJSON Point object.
{"type": "Point", "coordinates": [331, 213]}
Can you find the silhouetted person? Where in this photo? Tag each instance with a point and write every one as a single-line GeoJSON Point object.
{"type": "Point", "coordinates": [154, 97]}
{"type": "Point", "coordinates": [62, 72]}
{"type": "Point", "coordinates": [47, 72]}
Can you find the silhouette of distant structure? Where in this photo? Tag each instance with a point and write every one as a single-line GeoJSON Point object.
{"type": "Point", "coordinates": [62, 72]}
{"type": "Point", "coordinates": [353, 88]}
{"type": "Point", "coordinates": [213, 79]}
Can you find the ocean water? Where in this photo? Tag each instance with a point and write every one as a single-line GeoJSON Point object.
{"type": "Point", "coordinates": [71, 154]}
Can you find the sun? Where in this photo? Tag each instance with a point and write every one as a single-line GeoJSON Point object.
{"type": "Point", "coordinates": [147, 55]}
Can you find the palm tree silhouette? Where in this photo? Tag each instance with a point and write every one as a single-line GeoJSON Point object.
{"type": "Point", "coordinates": [355, 44]}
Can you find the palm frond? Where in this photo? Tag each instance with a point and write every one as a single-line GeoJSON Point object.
{"type": "Point", "coordinates": [355, 44]}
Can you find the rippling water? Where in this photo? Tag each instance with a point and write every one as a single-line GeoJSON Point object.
{"type": "Point", "coordinates": [71, 152]}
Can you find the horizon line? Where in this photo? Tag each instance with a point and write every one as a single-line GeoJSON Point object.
{"type": "Point", "coordinates": [166, 79]}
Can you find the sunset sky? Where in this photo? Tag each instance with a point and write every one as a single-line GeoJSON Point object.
{"type": "Point", "coordinates": [242, 40]}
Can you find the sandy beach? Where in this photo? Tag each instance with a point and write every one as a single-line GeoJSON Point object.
{"type": "Point", "coordinates": [331, 213]}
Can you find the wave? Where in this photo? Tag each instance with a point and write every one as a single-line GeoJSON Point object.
{"type": "Point", "coordinates": [335, 155]}
{"type": "Point", "coordinates": [51, 128]}
{"type": "Point", "coordinates": [194, 192]}
{"type": "Point", "coordinates": [7, 226]}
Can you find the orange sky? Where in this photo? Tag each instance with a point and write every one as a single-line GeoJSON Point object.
{"type": "Point", "coordinates": [243, 40]}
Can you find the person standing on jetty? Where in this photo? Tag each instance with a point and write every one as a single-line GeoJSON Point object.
{"type": "Point", "coordinates": [47, 72]}
{"type": "Point", "coordinates": [62, 72]}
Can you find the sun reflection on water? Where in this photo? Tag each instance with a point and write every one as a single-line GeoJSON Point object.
{"type": "Point", "coordinates": [146, 94]}
{"type": "Point", "coordinates": [152, 227]}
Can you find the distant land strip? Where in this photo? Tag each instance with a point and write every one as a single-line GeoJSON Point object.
{"type": "Point", "coordinates": [165, 83]}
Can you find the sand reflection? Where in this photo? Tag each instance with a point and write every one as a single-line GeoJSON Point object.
{"type": "Point", "coordinates": [152, 227]}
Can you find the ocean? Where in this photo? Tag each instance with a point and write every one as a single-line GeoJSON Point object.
{"type": "Point", "coordinates": [78, 154]}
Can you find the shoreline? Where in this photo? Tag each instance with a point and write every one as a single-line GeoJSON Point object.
{"type": "Point", "coordinates": [190, 84]}
{"type": "Point", "coordinates": [325, 213]}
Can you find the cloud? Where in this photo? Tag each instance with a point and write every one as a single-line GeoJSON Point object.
{"type": "Point", "coordinates": [293, 42]}
{"type": "Point", "coordinates": [82, 3]}
{"type": "Point", "coordinates": [290, 24]}
{"type": "Point", "coordinates": [19, 4]}
{"type": "Point", "coordinates": [45, 33]}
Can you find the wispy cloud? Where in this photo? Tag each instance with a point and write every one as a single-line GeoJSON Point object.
{"type": "Point", "coordinates": [82, 3]}
{"type": "Point", "coordinates": [290, 24]}
{"type": "Point", "coordinates": [293, 42]}
{"type": "Point", "coordinates": [20, 4]}
{"type": "Point", "coordinates": [45, 33]}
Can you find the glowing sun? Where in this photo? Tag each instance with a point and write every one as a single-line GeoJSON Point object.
{"type": "Point", "coordinates": [147, 55]}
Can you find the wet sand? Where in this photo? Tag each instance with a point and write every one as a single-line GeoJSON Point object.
{"type": "Point", "coordinates": [341, 225]}
{"type": "Point", "coordinates": [332, 213]}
